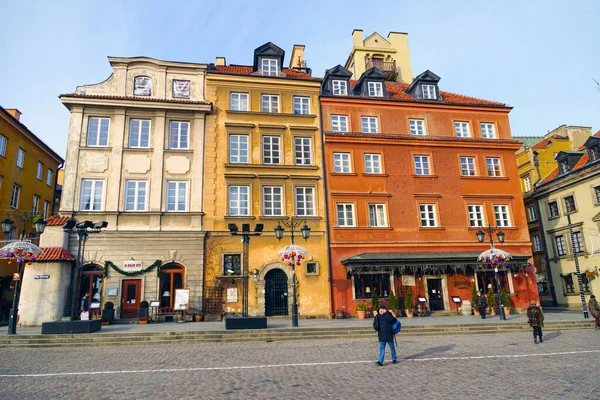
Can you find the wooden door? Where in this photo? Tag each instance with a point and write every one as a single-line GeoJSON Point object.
{"type": "Point", "coordinates": [436, 299]}
{"type": "Point", "coordinates": [130, 297]}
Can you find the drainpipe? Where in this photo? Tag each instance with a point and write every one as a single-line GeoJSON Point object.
{"type": "Point", "coordinates": [55, 187]}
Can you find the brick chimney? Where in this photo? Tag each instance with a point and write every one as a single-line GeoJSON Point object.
{"type": "Point", "coordinates": [15, 113]}
{"type": "Point", "coordinates": [357, 38]}
{"type": "Point", "coordinates": [221, 61]}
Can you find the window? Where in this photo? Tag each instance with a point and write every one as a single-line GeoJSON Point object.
{"type": "Point", "coordinates": [142, 86]}
{"type": "Point", "coordinates": [177, 195]}
{"type": "Point", "coordinates": [92, 193]}
{"type": "Point", "coordinates": [561, 247]}
{"type": "Point", "coordinates": [92, 276]}
{"type": "Point", "coordinates": [421, 165]}
{"type": "Point", "coordinates": [40, 171]}
{"type": "Point", "coordinates": [269, 66]}
{"type": "Point", "coordinates": [377, 215]}
{"type": "Point", "coordinates": [501, 213]}
{"type": "Point", "coordinates": [270, 149]}
{"type": "Point", "coordinates": [178, 135]}
{"type": "Point", "coordinates": [487, 131]}
{"type": "Point", "coordinates": [564, 167]}
{"type": "Point", "coordinates": [532, 214]}
{"type": "Point", "coordinates": [568, 286]}
{"type": "Point", "coordinates": [36, 204]}
{"type": "Point", "coordinates": [3, 145]}
{"type": "Point", "coordinates": [553, 209]}
{"type": "Point", "coordinates": [372, 163]}
{"type": "Point", "coordinates": [537, 244]}
{"type": "Point", "coordinates": [493, 166]}
{"type": "Point", "coordinates": [238, 101]}
{"type": "Point", "coordinates": [375, 89]}
{"type": "Point", "coordinates": [312, 268]}
{"type": "Point", "coordinates": [135, 195]}
{"type": "Point", "coordinates": [181, 89]}
{"type": "Point", "coordinates": [20, 157]}
{"type": "Point", "coordinates": [139, 133]}
{"type": "Point", "coordinates": [97, 134]}
{"type": "Point", "coordinates": [429, 92]}
{"type": "Point", "coordinates": [367, 284]}
{"type": "Point", "coordinates": [302, 151]}
{"type": "Point", "coordinates": [475, 215]}
{"type": "Point", "coordinates": [301, 105]}
{"type": "Point", "coordinates": [461, 129]}
{"type": "Point", "coordinates": [49, 177]}
{"type": "Point", "coordinates": [427, 213]}
{"type": "Point", "coordinates": [597, 194]}
{"type": "Point", "coordinates": [340, 88]}
{"type": "Point", "coordinates": [272, 200]}
{"type": "Point", "coordinates": [238, 149]}
{"type": "Point", "coordinates": [270, 103]}
{"type": "Point", "coordinates": [339, 123]}
{"type": "Point", "coordinates": [577, 242]}
{"type": "Point", "coordinates": [486, 281]}
{"type": "Point", "coordinates": [46, 209]}
{"type": "Point", "coordinates": [593, 154]}
{"type": "Point", "coordinates": [585, 283]}
{"type": "Point", "coordinates": [570, 204]}
{"type": "Point", "coordinates": [232, 264]}
{"type": "Point", "coordinates": [369, 124]}
{"type": "Point", "coordinates": [14, 198]}
{"type": "Point", "coordinates": [341, 163]}
{"type": "Point", "coordinates": [417, 127]}
{"type": "Point", "coordinates": [239, 200]}
{"type": "Point", "coordinates": [305, 201]}
{"type": "Point", "coordinates": [467, 166]}
{"type": "Point", "coordinates": [170, 279]}
{"type": "Point", "coordinates": [527, 184]}
{"type": "Point", "coordinates": [345, 214]}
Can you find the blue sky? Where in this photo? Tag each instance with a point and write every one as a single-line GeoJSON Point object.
{"type": "Point", "coordinates": [537, 56]}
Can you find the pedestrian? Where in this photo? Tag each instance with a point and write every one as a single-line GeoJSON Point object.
{"type": "Point", "coordinates": [383, 325]}
{"type": "Point", "coordinates": [481, 304]}
{"type": "Point", "coordinates": [535, 318]}
{"type": "Point", "coordinates": [5, 310]}
{"type": "Point", "coordinates": [594, 310]}
{"type": "Point", "coordinates": [85, 304]}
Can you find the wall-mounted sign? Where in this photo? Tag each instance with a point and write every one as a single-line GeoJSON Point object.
{"type": "Point", "coordinates": [142, 86]}
{"type": "Point", "coordinates": [462, 284]}
{"type": "Point", "coordinates": [232, 295]}
{"type": "Point", "coordinates": [181, 89]}
{"type": "Point", "coordinates": [182, 299]}
{"type": "Point", "coordinates": [111, 291]}
{"type": "Point", "coordinates": [408, 280]}
{"type": "Point", "coordinates": [133, 265]}
{"type": "Point", "coordinates": [46, 276]}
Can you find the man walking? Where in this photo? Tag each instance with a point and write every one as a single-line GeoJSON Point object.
{"type": "Point", "coordinates": [383, 325]}
{"type": "Point", "coordinates": [536, 320]}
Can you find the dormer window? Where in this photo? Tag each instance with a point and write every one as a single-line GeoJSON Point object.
{"type": "Point", "coordinates": [564, 167]}
{"type": "Point", "coordinates": [269, 67]}
{"type": "Point", "coordinates": [593, 154]}
{"type": "Point", "coordinates": [142, 86]}
{"type": "Point", "coordinates": [375, 89]}
{"type": "Point", "coordinates": [428, 92]}
{"type": "Point", "coordinates": [340, 88]}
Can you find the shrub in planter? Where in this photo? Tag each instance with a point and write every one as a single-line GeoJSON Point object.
{"type": "Point", "coordinates": [108, 314]}
{"type": "Point", "coordinates": [491, 300]}
{"type": "Point", "coordinates": [361, 310]}
{"type": "Point", "coordinates": [375, 301]}
{"type": "Point", "coordinates": [393, 304]}
{"type": "Point", "coordinates": [474, 300]}
{"type": "Point", "coordinates": [505, 302]}
{"type": "Point", "coordinates": [409, 303]}
{"type": "Point", "coordinates": [143, 312]}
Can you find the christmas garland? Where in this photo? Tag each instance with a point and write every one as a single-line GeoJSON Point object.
{"type": "Point", "coordinates": [110, 264]}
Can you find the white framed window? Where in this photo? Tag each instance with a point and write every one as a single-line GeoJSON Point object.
{"type": "Point", "coordinates": [238, 101]}
{"type": "Point", "coordinates": [239, 199]}
{"type": "Point", "coordinates": [461, 129]}
{"type": "Point", "coordinates": [501, 213]}
{"type": "Point", "coordinates": [577, 242]}
{"type": "Point", "coordinates": [427, 215]}
{"type": "Point", "coordinates": [139, 133]}
{"type": "Point", "coordinates": [20, 157]}
{"type": "Point", "coordinates": [493, 166]}
{"type": "Point", "coordinates": [272, 200]}
{"type": "Point", "coordinates": [305, 201]}
{"type": "Point", "coordinates": [269, 66]}
{"type": "Point", "coordinates": [341, 163]}
{"type": "Point", "coordinates": [422, 165]}
{"type": "Point", "coordinates": [467, 166]}
{"type": "Point", "coordinates": [527, 183]}
{"type": "Point", "coordinates": [339, 123]}
{"type": "Point", "coordinates": [178, 134]}
{"type": "Point", "coordinates": [475, 215]}
{"type": "Point", "coordinates": [487, 130]}
{"type": "Point", "coordinates": [92, 195]}
{"type": "Point", "coordinates": [369, 124]}
{"type": "Point", "coordinates": [181, 89]}
{"type": "Point", "coordinates": [40, 171]}
{"type": "Point", "coordinates": [271, 149]}
{"type": "Point", "coordinates": [301, 105]}
{"type": "Point", "coordinates": [177, 195]}
{"type": "Point", "coordinates": [561, 245]}
{"type": "Point", "coordinates": [49, 177]}
{"type": "Point", "coordinates": [340, 88]}
{"type": "Point", "coordinates": [302, 151]}
{"type": "Point", "coordinates": [345, 214]}
{"type": "Point", "coordinates": [238, 149]}
{"type": "Point", "coordinates": [537, 244]}
{"type": "Point", "coordinates": [46, 213]}
{"type": "Point", "coordinates": [269, 103]}
{"type": "Point", "coordinates": [553, 209]}
{"type": "Point", "coordinates": [135, 195]}
{"type": "Point", "coordinates": [429, 92]}
{"type": "Point", "coordinates": [14, 197]}
{"type": "Point", "coordinates": [3, 142]}
{"type": "Point", "coordinates": [35, 204]}
{"type": "Point", "coordinates": [417, 127]}
{"type": "Point", "coordinates": [97, 134]}
{"type": "Point", "coordinates": [373, 163]}
{"type": "Point", "coordinates": [532, 214]}
{"type": "Point", "coordinates": [377, 215]}
{"type": "Point", "coordinates": [375, 89]}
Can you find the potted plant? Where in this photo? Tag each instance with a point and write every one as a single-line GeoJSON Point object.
{"type": "Point", "coordinates": [505, 302]}
{"type": "Point", "coordinates": [361, 310]}
{"type": "Point", "coordinates": [474, 301]}
{"type": "Point", "coordinates": [143, 312]}
{"type": "Point", "coordinates": [375, 302]}
{"type": "Point", "coordinates": [108, 314]}
{"type": "Point", "coordinates": [393, 304]}
{"type": "Point", "coordinates": [409, 303]}
{"type": "Point", "coordinates": [491, 300]}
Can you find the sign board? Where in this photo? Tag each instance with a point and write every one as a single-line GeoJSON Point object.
{"type": "Point", "coordinates": [94, 306]}
{"type": "Point", "coordinates": [154, 303]}
{"type": "Point", "coordinates": [408, 280]}
{"type": "Point", "coordinates": [456, 299]}
{"type": "Point", "coordinates": [422, 299]}
{"type": "Point", "coordinates": [16, 276]}
{"type": "Point", "coordinates": [232, 295]}
{"type": "Point", "coordinates": [46, 276]}
{"type": "Point", "coordinates": [112, 291]}
{"type": "Point", "coordinates": [132, 265]}
{"type": "Point", "coordinates": [182, 299]}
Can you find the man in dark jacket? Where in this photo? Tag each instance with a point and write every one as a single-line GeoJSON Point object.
{"type": "Point", "coordinates": [383, 325]}
{"type": "Point", "coordinates": [481, 304]}
{"type": "Point", "coordinates": [536, 320]}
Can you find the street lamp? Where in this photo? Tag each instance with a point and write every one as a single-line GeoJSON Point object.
{"type": "Point", "coordinates": [481, 237]}
{"type": "Point", "coordinates": [305, 230]}
{"type": "Point", "coordinates": [21, 257]}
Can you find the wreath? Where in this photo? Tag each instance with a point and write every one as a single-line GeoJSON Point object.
{"type": "Point", "coordinates": [110, 264]}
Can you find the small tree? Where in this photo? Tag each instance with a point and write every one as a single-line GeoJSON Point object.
{"type": "Point", "coordinates": [491, 299]}
{"type": "Point", "coordinates": [375, 301]}
{"type": "Point", "coordinates": [473, 296]}
{"type": "Point", "coordinates": [408, 300]}
{"type": "Point", "coordinates": [393, 302]}
{"type": "Point", "coordinates": [504, 296]}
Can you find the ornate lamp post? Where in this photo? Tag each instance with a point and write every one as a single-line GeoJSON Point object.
{"type": "Point", "coordinates": [294, 254]}
{"type": "Point", "coordinates": [21, 252]}
{"type": "Point", "coordinates": [494, 257]}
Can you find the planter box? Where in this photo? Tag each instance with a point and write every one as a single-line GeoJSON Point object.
{"type": "Point", "coordinates": [246, 323]}
{"type": "Point", "coordinates": [65, 327]}
{"type": "Point", "coordinates": [108, 315]}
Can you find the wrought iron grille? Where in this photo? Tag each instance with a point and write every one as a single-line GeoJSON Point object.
{"type": "Point", "coordinates": [276, 293]}
{"type": "Point", "coordinates": [213, 300]}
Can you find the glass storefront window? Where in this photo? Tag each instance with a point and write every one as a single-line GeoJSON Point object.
{"type": "Point", "coordinates": [364, 285]}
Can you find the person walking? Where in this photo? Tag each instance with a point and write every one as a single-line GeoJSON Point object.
{"type": "Point", "coordinates": [383, 325]}
{"type": "Point", "coordinates": [481, 304]}
{"type": "Point", "coordinates": [594, 310]}
{"type": "Point", "coordinates": [535, 318]}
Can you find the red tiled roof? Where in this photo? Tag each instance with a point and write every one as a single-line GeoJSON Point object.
{"type": "Point", "coordinates": [550, 176]}
{"type": "Point", "coordinates": [543, 143]}
{"type": "Point", "coordinates": [597, 133]}
{"type": "Point", "coordinates": [57, 220]}
{"type": "Point", "coordinates": [580, 164]}
{"type": "Point", "coordinates": [56, 254]}
{"type": "Point", "coordinates": [248, 70]}
{"type": "Point", "coordinates": [133, 98]}
{"type": "Point", "coordinates": [582, 161]}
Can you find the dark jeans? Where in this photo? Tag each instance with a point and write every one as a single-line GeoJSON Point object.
{"type": "Point", "coordinates": [537, 331]}
{"type": "Point", "coordinates": [482, 311]}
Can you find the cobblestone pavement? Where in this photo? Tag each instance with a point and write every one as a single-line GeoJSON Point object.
{"type": "Point", "coordinates": [497, 366]}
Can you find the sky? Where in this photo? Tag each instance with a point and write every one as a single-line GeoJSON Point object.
{"type": "Point", "coordinates": [540, 57]}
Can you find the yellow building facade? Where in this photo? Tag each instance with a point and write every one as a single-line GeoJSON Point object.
{"type": "Point", "coordinates": [263, 165]}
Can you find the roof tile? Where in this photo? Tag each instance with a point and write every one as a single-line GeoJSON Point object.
{"type": "Point", "coordinates": [57, 220]}
{"type": "Point", "coordinates": [248, 70]}
{"type": "Point", "coordinates": [134, 98]}
{"type": "Point", "coordinates": [56, 254]}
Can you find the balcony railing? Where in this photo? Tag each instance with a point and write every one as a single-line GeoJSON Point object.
{"type": "Point", "coordinates": [386, 66]}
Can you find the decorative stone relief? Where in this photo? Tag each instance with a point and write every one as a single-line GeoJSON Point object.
{"type": "Point", "coordinates": [137, 164]}
{"type": "Point", "coordinates": [177, 165]}
{"type": "Point", "coordinates": [95, 162]}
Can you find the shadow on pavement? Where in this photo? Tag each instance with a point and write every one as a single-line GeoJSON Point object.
{"type": "Point", "coordinates": [433, 350]}
{"type": "Point", "coordinates": [552, 335]}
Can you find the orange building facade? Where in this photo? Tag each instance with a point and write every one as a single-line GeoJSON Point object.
{"type": "Point", "coordinates": [412, 174]}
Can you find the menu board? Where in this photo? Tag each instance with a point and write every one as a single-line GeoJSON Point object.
{"type": "Point", "coordinates": [182, 299]}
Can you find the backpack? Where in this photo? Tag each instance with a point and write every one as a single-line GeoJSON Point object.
{"type": "Point", "coordinates": [396, 327]}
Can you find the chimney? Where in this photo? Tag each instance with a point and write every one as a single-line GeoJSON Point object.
{"type": "Point", "coordinates": [297, 59]}
{"type": "Point", "coordinates": [399, 42]}
{"type": "Point", "coordinates": [357, 38]}
{"type": "Point", "coordinates": [221, 61]}
{"type": "Point", "coordinates": [15, 113]}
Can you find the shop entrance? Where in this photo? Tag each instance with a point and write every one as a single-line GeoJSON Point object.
{"type": "Point", "coordinates": [130, 297]}
{"type": "Point", "coordinates": [436, 298]}
{"type": "Point", "coordinates": [276, 293]}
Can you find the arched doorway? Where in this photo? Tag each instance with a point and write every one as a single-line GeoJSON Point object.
{"type": "Point", "coordinates": [171, 278]}
{"type": "Point", "coordinates": [276, 293]}
{"type": "Point", "coordinates": [92, 278]}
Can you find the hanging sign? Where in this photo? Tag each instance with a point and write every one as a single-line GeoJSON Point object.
{"type": "Point", "coordinates": [133, 265]}
{"type": "Point", "coordinates": [408, 280]}
{"type": "Point", "coordinates": [181, 89]}
{"type": "Point", "coordinates": [46, 276]}
{"type": "Point", "coordinates": [182, 299]}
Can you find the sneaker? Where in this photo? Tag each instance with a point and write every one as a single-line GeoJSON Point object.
{"type": "Point", "coordinates": [394, 361]}
{"type": "Point", "coordinates": [534, 340]}
{"type": "Point", "coordinates": [378, 363]}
